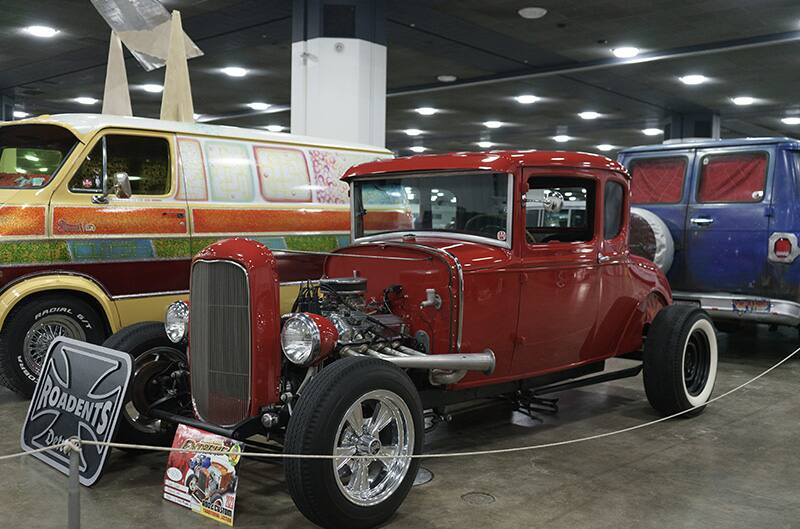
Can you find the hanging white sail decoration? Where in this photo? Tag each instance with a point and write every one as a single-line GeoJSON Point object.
{"type": "Point", "coordinates": [116, 97]}
{"type": "Point", "coordinates": [144, 27]}
{"type": "Point", "coordinates": [176, 101]}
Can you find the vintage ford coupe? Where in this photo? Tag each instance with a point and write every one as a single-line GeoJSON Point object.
{"type": "Point", "coordinates": [470, 275]}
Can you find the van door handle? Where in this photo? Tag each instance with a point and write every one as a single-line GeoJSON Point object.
{"type": "Point", "coordinates": [701, 221]}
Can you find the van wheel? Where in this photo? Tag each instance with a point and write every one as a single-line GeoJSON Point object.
{"type": "Point", "coordinates": [354, 407]}
{"type": "Point", "coordinates": [680, 360]}
{"type": "Point", "coordinates": [160, 374]}
{"type": "Point", "coordinates": [31, 328]}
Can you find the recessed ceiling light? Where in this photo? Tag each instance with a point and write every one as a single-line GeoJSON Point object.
{"type": "Point", "coordinates": [693, 79]}
{"type": "Point", "coordinates": [258, 105]}
{"type": "Point", "coordinates": [527, 99]}
{"type": "Point", "coordinates": [492, 124]}
{"type": "Point", "coordinates": [532, 13]}
{"type": "Point", "coordinates": [561, 138]}
{"type": "Point", "coordinates": [426, 111]}
{"type": "Point", "coordinates": [604, 147]}
{"type": "Point", "coordinates": [86, 100]}
{"type": "Point", "coordinates": [153, 88]}
{"type": "Point", "coordinates": [413, 132]}
{"type": "Point", "coordinates": [793, 120]}
{"type": "Point", "coordinates": [20, 114]}
{"type": "Point", "coordinates": [43, 32]}
{"type": "Point", "coordinates": [197, 116]}
{"type": "Point", "coordinates": [418, 148]}
{"type": "Point", "coordinates": [234, 71]}
{"type": "Point", "coordinates": [485, 144]}
{"type": "Point", "coordinates": [652, 132]}
{"type": "Point", "coordinates": [625, 52]}
{"type": "Point", "coordinates": [274, 128]}
{"type": "Point", "coordinates": [589, 114]}
{"type": "Point", "coordinates": [743, 100]}
{"type": "Point", "coordinates": [447, 78]}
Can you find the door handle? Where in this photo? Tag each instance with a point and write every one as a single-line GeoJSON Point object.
{"type": "Point", "coordinates": [602, 258]}
{"type": "Point", "coordinates": [701, 221]}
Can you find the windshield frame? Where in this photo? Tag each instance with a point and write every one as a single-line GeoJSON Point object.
{"type": "Point", "coordinates": [355, 206]}
{"type": "Point", "coordinates": [53, 176]}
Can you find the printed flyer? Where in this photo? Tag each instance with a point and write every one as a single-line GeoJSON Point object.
{"type": "Point", "coordinates": [202, 481]}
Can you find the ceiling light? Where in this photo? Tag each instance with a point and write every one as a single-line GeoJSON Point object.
{"type": "Point", "coordinates": [447, 78]}
{"type": "Point", "coordinates": [234, 71]}
{"type": "Point", "coordinates": [743, 100]}
{"type": "Point", "coordinates": [426, 111]}
{"type": "Point", "coordinates": [604, 147]}
{"type": "Point", "coordinates": [532, 13]}
{"type": "Point", "coordinates": [589, 114]}
{"type": "Point", "coordinates": [413, 132]}
{"type": "Point", "coordinates": [625, 52]}
{"type": "Point", "coordinates": [652, 132]}
{"type": "Point", "coordinates": [491, 124]}
{"type": "Point", "coordinates": [153, 88]}
{"type": "Point", "coordinates": [561, 138]}
{"type": "Point", "coordinates": [86, 100]}
{"type": "Point", "coordinates": [196, 116]}
{"type": "Point", "coordinates": [258, 105]}
{"type": "Point", "coordinates": [418, 148]}
{"type": "Point", "coordinates": [43, 32]}
{"type": "Point", "coordinates": [274, 128]}
{"type": "Point", "coordinates": [527, 99]}
{"type": "Point", "coordinates": [693, 79]}
{"type": "Point", "coordinates": [793, 120]}
{"type": "Point", "coordinates": [20, 114]}
{"type": "Point", "coordinates": [485, 144]}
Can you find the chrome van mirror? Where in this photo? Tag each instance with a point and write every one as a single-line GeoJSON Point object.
{"type": "Point", "coordinates": [119, 184]}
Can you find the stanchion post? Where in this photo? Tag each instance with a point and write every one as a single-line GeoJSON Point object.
{"type": "Point", "coordinates": [74, 484]}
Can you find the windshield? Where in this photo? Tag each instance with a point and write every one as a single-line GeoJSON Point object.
{"type": "Point", "coordinates": [464, 203]}
{"type": "Point", "coordinates": [30, 155]}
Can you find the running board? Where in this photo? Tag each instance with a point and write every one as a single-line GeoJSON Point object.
{"type": "Point", "coordinates": [589, 381]}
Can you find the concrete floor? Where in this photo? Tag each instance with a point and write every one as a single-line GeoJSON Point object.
{"type": "Point", "coordinates": [736, 465]}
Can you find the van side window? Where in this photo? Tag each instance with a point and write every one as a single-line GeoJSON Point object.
{"type": "Point", "coordinates": [145, 159]}
{"type": "Point", "coordinates": [734, 177]}
{"type": "Point", "coordinates": [614, 198]}
{"type": "Point", "coordinates": [572, 221]}
{"type": "Point", "coordinates": [657, 180]}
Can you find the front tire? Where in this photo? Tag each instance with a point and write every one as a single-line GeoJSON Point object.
{"type": "Point", "coordinates": [355, 406]}
{"type": "Point", "coordinates": [680, 360]}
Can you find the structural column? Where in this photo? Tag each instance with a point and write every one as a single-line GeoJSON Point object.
{"type": "Point", "coordinates": [339, 70]}
{"type": "Point", "coordinates": [696, 125]}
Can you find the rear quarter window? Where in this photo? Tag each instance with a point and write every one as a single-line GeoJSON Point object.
{"type": "Point", "coordinates": [733, 177]}
{"type": "Point", "coordinates": [657, 180]}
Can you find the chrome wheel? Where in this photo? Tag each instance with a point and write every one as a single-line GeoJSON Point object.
{"type": "Point", "coordinates": [379, 423]}
{"type": "Point", "coordinates": [41, 335]}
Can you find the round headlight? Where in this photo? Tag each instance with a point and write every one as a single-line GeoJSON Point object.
{"type": "Point", "coordinates": [307, 337]}
{"type": "Point", "coordinates": [176, 320]}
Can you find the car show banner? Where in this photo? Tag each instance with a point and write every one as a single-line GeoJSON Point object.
{"type": "Point", "coordinates": [80, 394]}
{"type": "Point", "coordinates": [202, 479]}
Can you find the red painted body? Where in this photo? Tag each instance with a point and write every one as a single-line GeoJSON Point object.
{"type": "Point", "coordinates": [539, 307]}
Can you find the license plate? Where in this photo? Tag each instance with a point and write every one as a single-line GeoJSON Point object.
{"type": "Point", "coordinates": [751, 305]}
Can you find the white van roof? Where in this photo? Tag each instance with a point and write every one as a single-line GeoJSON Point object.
{"type": "Point", "coordinates": [85, 125]}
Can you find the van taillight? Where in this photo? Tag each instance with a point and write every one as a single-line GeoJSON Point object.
{"type": "Point", "coordinates": [782, 247]}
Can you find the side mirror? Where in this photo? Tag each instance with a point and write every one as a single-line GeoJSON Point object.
{"type": "Point", "coordinates": [119, 184]}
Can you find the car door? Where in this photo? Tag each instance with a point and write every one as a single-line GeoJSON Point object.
{"type": "Point", "coordinates": [728, 220]}
{"type": "Point", "coordinates": [558, 271]}
{"type": "Point", "coordinates": [134, 247]}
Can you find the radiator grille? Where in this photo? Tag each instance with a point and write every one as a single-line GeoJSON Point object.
{"type": "Point", "coordinates": [219, 341]}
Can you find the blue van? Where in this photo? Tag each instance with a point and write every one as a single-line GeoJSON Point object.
{"type": "Point", "coordinates": [732, 210]}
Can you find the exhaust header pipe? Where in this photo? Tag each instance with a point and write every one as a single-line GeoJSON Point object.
{"type": "Point", "coordinates": [483, 362]}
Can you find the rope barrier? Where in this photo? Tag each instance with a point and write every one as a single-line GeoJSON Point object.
{"type": "Point", "coordinates": [268, 455]}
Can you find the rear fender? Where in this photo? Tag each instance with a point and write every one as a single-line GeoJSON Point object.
{"type": "Point", "coordinates": [640, 320]}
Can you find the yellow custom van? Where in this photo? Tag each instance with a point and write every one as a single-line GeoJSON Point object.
{"type": "Point", "coordinates": [100, 215]}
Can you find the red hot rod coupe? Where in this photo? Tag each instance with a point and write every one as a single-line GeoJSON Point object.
{"type": "Point", "coordinates": [470, 275]}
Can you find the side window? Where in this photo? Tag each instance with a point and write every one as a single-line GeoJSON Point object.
{"type": "Point", "coordinates": [559, 210]}
{"type": "Point", "coordinates": [657, 180]}
{"type": "Point", "coordinates": [613, 201]}
{"type": "Point", "coordinates": [145, 159]}
{"type": "Point", "coordinates": [735, 177]}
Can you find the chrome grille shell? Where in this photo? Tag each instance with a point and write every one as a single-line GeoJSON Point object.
{"type": "Point", "coordinates": [220, 341]}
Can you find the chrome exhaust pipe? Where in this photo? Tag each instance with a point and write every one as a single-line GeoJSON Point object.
{"type": "Point", "coordinates": [483, 362]}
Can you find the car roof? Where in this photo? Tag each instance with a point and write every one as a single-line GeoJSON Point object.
{"type": "Point", "coordinates": [706, 143]}
{"type": "Point", "coordinates": [84, 125]}
{"type": "Point", "coordinates": [490, 161]}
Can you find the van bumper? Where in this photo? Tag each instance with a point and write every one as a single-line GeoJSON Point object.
{"type": "Point", "coordinates": [738, 307]}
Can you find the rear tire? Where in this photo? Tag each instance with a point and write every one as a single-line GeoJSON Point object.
{"type": "Point", "coordinates": [346, 492]}
{"type": "Point", "coordinates": [680, 360]}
